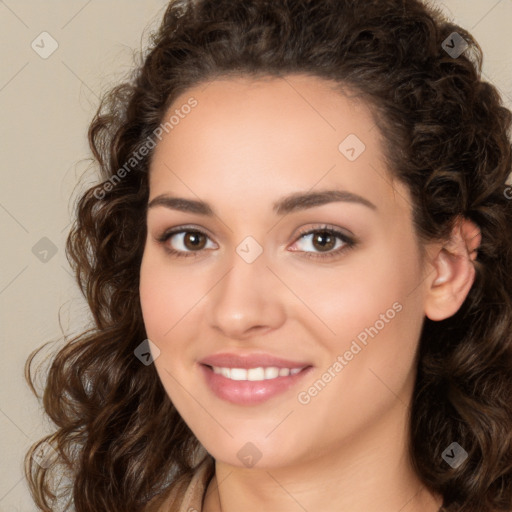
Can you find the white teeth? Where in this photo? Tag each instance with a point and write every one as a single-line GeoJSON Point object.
{"type": "Point", "coordinates": [255, 374]}
{"type": "Point", "coordinates": [271, 372]}
{"type": "Point", "coordinates": [238, 374]}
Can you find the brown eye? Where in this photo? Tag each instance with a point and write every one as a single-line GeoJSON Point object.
{"type": "Point", "coordinates": [194, 240]}
{"type": "Point", "coordinates": [184, 242]}
{"type": "Point", "coordinates": [324, 240]}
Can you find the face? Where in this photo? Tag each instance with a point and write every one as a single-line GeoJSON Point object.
{"type": "Point", "coordinates": [316, 302]}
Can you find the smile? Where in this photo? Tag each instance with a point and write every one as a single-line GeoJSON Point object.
{"type": "Point", "coordinates": [252, 386]}
{"type": "Point", "coordinates": [255, 374]}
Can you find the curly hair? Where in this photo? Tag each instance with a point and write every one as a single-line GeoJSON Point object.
{"type": "Point", "coordinates": [118, 436]}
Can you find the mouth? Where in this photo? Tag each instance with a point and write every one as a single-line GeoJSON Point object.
{"type": "Point", "coordinates": [251, 386]}
{"type": "Point", "coordinates": [255, 374]}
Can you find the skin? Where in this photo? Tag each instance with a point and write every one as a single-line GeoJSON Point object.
{"type": "Point", "coordinates": [346, 448]}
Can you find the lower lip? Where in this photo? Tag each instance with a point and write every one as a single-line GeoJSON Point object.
{"type": "Point", "coordinates": [246, 392]}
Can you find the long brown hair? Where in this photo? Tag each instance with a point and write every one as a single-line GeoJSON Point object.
{"type": "Point", "coordinates": [118, 437]}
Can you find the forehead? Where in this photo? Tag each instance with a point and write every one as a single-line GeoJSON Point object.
{"type": "Point", "coordinates": [305, 105]}
{"type": "Point", "coordinates": [294, 133]}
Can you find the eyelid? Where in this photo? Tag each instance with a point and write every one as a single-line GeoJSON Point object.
{"type": "Point", "coordinates": [322, 226]}
{"type": "Point", "coordinates": [181, 228]}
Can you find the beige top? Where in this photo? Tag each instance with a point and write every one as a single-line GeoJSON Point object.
{"type": "Point", "coordinates": [187, 493]}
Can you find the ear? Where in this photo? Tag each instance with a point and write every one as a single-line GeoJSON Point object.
{"type": "Point", "coordinates": [454, 274]}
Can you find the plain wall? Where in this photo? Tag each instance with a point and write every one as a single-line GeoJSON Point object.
{"type": "Point", "coordinates": [46, 105]}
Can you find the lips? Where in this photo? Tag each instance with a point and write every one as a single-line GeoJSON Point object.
{"type": "Point", "coordinates": [227, 360]}
{"type": "Point", "coordinates": [251, 379]}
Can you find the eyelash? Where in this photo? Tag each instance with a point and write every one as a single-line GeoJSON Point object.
{"type": "Point", "coordinates": [349, 242]}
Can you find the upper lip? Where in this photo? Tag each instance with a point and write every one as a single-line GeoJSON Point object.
{"type": "Point", "coordinates": [229, 360]}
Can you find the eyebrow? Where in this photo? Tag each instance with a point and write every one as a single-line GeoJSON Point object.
{"type": "Point", "coordinates": [294, 202]}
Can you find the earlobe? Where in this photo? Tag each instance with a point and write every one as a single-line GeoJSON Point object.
{"type": "Point", "coordinates": [454, 271]}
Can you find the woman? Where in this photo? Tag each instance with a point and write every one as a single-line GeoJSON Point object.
{"type": "Point", "coordinates": [339, 340]}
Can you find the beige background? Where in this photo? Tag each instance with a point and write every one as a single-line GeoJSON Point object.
{"type": "Point", "coordinates": [46, 105]}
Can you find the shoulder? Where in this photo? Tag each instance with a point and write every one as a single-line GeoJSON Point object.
{"type": "Point", "coordinates": [187, 492]}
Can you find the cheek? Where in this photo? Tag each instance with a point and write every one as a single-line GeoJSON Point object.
{"type": "Point", "coordinates": [353, 297]}
{"type": "Point", "coordinates": [167, 294]}
{"type": "Point", "coordinates": [373, 315]}
{"type": "Point", "coordinates": [170, 296]}
{"type": "Point", "coordinates": [155, 295]}
{"type": "Point", "coordinates": [377, 323]}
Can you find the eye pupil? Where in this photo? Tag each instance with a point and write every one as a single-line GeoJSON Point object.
{"type": "Point", "coordinates": [321, 238]}
{"type": "Point", "coordinates": [193, 237]}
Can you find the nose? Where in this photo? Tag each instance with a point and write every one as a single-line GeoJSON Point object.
{"type": "Point", "coordinates": [248, 299]}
